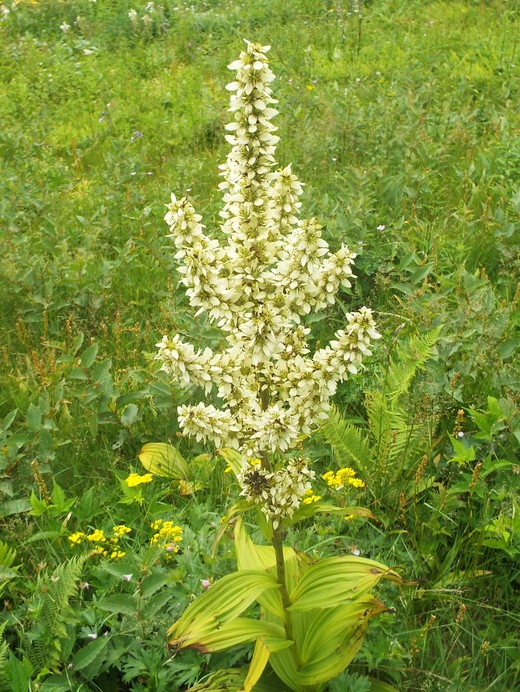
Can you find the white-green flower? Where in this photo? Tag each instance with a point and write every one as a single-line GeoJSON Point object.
{"type": "Point", "coordinates": [265, 271]}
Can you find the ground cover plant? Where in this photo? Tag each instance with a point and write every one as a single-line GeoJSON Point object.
{"type": "Point", "coordinates": [402, 119]}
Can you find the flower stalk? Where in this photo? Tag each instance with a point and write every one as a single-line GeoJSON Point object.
{"type": "Point", "coordinates": [257, 279]}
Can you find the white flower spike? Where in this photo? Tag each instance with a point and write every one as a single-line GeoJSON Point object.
{"type": "Point", "coordinates": [266, 271]}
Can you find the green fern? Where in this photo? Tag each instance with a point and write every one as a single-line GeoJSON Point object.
{"type": "Point", "coordinates": [409, 359]}
{"type": "Point", "coordinates": [4, 657]}
{"type": "Point", "coordinates": [397, 435]}
{"type": "Point", "coordinates": [348, 443]}
{"type": "Point", "coordinates": [50, 612]}
{"type": "Point", "coordinates": [7, 558]}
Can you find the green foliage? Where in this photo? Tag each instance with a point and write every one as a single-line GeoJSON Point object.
{"type": "Point", "coordinates": [308, 636]}
{"type": "Point", "coordinates": [399, 431]}
{"type": "Point", "coordinates": [50, 612]}
{"type": "Point", "coordinates": [402, 117]}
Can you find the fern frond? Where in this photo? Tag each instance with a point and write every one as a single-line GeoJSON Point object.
{"type": "Point", "coordinates": [49, 610]}
{"type": "Point", "coordinates": [4, 657]}
{"type": "Point", "coordinates": [348, 443]}
{"type": "Point", "coordinates": [408, 360]}
{"type": "Point", "coordinates": [380, 423]}
{"type": "Point", "coordinates": [7, 555]}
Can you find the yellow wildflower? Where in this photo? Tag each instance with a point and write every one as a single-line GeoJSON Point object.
{"type": "Point", "coordinates": [97, 536]}
{"type": "Point", "coordinates": [342, 478]}
{"type": "Point", "coordinates": [310, 499]}
{"type": "Point", "coordinates": [120, 530]}
{"type": "Point", "coordinates": [167, 535]}
{"type": "Point", "coordinates": [135, 479]}
{"type": "Point", "coordinates": [77, 538]}
{"type": "Point", "coordinates": [356, 483]}
{"type": "Point", "coordinates": [117, 554]}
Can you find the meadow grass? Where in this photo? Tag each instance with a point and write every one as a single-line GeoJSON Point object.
{"type": "Point", "coordinates": [402, 119]}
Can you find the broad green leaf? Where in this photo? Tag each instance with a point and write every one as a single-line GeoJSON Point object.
{"type": "Point", "coordinates": [257, 665]}
{"type": "Point", "coordinates": [224, 602]}
{"type": "Point", "coordinates": [262, 557]}
{"type": "Point", "coordinates": [130, 415]}
{"type": "Point", "coordinates": [237, 508]}
{"type": "Point", "coordinates": [119, 603]}
{"type": "Point", "coordinates": [9, 418]}
{"type": "Point", "coordinates": [461, 453]}
{"type": "Point", "coordinates": [17, 506]}
{"type": "Point", "coordinates": [333, 581]}
{"type": "Point", "coordinates": [43, 536]}
{"type": "Point", "coordinates": [332, 642]}
{"type": "Point", "coordinates": [85, 656]}
{"type": "Point", "coordinates": [237, 632]}
{"type": "Point", "coordinates": [310, 510]}
{"type": "Point", "coordinates": [89, 356]}
{"type": "Point", "coordinates": [233, 458]}
{"type": "Point", "coordinates": [330, 627]}
{"type": "Point", "coordinates": [77, 374]}
{"type": "Point", "coordinates": [162, 459]}
{"type": "Point", "coordinates": [152, 583]}
{"type": "Point", "coordinates": [77, 343]}
{"type": "Point", "coordinates": [19, 674]}
{"type": "Point", "coordinates": [157, 602]}
{"type": "Point", "coordinates": [221, 681]}
{"type": "Point", "coordinates": [93, 423]}
{"type": "Point", "coordinates": [33, 418]}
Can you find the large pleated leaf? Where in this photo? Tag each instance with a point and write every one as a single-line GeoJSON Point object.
{"type": "Point", "coordinates": [314, 508]}
{"type": "Point", "coordinates": [333, 581]}
{"type": "Point", "coordinates": [163, 459]}
{"type": "Point", "coordinates": [333, 638]}
{"type": "Point", "coordinates": [262, 557]}
{"type": "Point", "coordinates": [257, 665]}
{"type": "Point", "coordinates": [240, 631]}
{"type": "Point", "coordinates": [222, 603]}
{"type": "Point", "coordinates": [237, 508]}
{"type": "Point", "coordinates": [233, 458]}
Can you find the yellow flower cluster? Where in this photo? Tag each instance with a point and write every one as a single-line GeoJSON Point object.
{"type": "Point", "coordinates": [310, 497]}
{"type": "Point", "coordinates": [103, 545]}
{"type": "Point", "coordinates": [342, 478]}
{"type": "Point", "coordinates": [134, 479]}
{"type": "Point", "coordinates": [166, 536]}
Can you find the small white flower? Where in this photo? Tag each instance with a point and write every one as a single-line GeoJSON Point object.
{"type": "Point", "coordinates": [64, 27]}
{"type": "Point", "coordinates": [381, 227]}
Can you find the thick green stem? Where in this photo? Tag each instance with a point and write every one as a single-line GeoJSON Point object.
{"type": "Point", "coordinates": [280, 573]}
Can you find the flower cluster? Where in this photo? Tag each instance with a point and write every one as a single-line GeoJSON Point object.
{"type": "Point", "coordinates": [310, 497]}
{"type": "Point", "coordinates": [134, 479]}
{"type": "Point", "coordinates": [273, 269]}
{"type": "Point", "coordinates": [107, 546]}
{"type": "Point", "coordinates": [279, 493]}
{"type": "Point", "coordinates": [268, 270]}
{"type": "Point", "coordinates": [167, 536]}
{"type": "Point", "coordinates": [342, 478]}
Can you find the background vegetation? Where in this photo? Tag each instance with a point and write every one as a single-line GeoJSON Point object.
{"type": "Point", "coordinates": [402, 118]}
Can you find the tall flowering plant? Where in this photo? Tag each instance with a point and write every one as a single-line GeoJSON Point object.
{"type": "Point", "coordinates": [266, 271]}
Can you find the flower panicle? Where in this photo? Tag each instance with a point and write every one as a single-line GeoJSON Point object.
{"type": "Point", "coordinates": [269, 270]}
